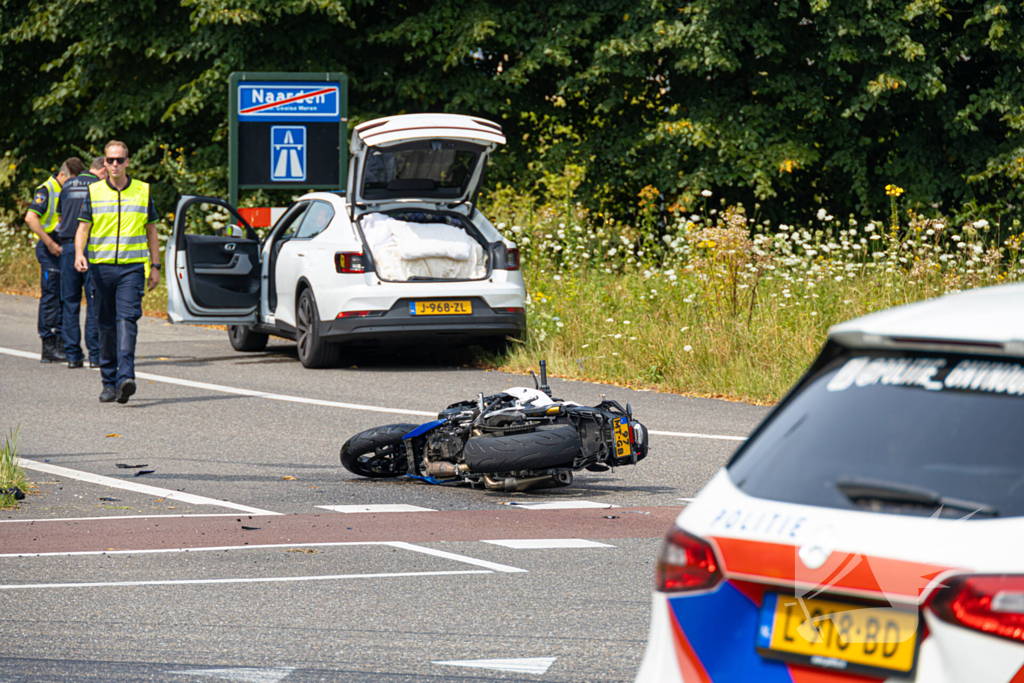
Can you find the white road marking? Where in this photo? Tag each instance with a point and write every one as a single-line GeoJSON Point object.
{"type": "Point", "coordinates": [114, 517]}
{"type": "Point", "coordinates": [259, 579]}
{"type": "Point", "coordinates": [540, 543]}
{"type": "Point", "coordinates": [526, 665]}
{"type": "Point", "coordinates": [693, 435]}
{"type": "Point", "coordinates": [167, 494]}
{"type": "Point", "coordinates": [396, 507]}
{"type": "Point", "coordinates": [493, 566]}
{"type": "Point", "coordinates": [563, 505]}
{"type": "Point", "coordinates": [331, 404]}
{"type": "Point", "coordinates": [241, 674]}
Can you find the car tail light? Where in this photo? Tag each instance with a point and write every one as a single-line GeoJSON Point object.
{"type": "Point", "coordinates": [512, 259]}
{"type": "Point", "coordinates": [686, 563]}
{"type": "Point", "coordinates": [990, 603]}
{"type": "Point", "coordinates": [359, 314]}
{"type": "Point", "coordinates": [510, 309]}
{"type": "Point", "coordinates": [349, 262]}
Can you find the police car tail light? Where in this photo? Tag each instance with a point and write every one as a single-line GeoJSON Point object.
{"type": "Point", "coordinates": [686, 563]}
{"type": "Point", "coordinates": [512, 259]}
{"type": "Point", "coordinates": [992, 603]}
{"type": "Point", "coordinates": [349, 262]}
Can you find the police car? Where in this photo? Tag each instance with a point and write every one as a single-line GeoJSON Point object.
{"type": "Point", "coordinates": [404, 255]}
{"type": "Point", "coordinates": [871, 528]}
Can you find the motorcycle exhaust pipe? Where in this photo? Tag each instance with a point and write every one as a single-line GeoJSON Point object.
{"type": "Point", "coordinates": [441, 470]}
{"type": "Point", "coordinates": [546, 481]}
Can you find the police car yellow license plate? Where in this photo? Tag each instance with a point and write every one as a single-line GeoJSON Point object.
{"type": "Point", "coordinates": [838, 635]}
{"type": "Point", "coordinates": [622, 445]}
{"type": "Point", "coordinates": [460, 307]}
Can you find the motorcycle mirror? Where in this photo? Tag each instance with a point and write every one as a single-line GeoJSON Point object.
{"type": "Point", "coordinates": [544, 378]}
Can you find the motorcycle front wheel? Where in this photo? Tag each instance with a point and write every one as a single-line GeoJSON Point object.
{"type": "Point", "coordinates": [378, 452]}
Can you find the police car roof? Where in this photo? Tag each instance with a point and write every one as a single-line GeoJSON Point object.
{"type": "Point", "coordinates": [986, 320]}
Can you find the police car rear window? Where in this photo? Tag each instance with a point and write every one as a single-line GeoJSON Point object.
{"type": "Point", "coordinates": [897, 433]}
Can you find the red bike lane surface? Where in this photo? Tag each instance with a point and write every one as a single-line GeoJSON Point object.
{"type": "Point", "coordinates": [194, 531]}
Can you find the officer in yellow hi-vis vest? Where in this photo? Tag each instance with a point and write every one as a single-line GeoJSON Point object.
{"type": "Point", "coordinates": [42, 218]}
{"type": "Point", "coordinates": [116, 236]}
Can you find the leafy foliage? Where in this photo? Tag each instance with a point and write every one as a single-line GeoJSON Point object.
{"type": "Point", "coordinates": [793, 104]}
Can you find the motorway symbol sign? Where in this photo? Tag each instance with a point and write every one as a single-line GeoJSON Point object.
{"type": "Point", "coordinates": [284, 101]}
{"type": "Point", "coordinates": [287, 153]}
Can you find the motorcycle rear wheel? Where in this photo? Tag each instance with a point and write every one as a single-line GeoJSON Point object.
{"type": "Point", "coordinates": [377, 453]}
{"type": "Point", "coordinates": [549, 446]}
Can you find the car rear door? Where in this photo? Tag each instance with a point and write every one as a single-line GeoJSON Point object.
{"type": "Point", "coordinates": [213, 264]}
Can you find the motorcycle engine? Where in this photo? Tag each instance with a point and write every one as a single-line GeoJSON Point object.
{"type": "Point", "coordinates": [442, 444]}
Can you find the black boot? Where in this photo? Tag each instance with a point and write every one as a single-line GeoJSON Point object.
{"type": "Point", "coordinates": [50, 351]}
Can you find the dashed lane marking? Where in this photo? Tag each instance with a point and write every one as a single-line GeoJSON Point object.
{"type": "Point", "coordinates": [563, 505]}
{"type": "Point", "coordinates": [548, 543]}
{"type": "Point", "coordinates": [167, 494]}
{"type": "Point", "coordinates": [331, 404]}
{"type": "Point", "coordinates": [526, 665]}
{"type": "Point", "coordinates": [396, 507]}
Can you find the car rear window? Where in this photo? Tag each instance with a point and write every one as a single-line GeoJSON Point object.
{"type": "Point", "coordinates": [431, 171]}
{"type": "Point", "coordinates": [952, 425]}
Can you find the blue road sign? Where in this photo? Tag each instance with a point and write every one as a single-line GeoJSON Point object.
{"type": "Point", "coordinates": [287, 153]}
{"type": "Point", "coordinates": [288, 101]}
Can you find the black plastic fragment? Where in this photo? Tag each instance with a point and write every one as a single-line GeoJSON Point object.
{"type": "Point", "coordinates": [122, 466]}
{"type": "Point", "coordinates": [13, 491]}
{"type": "Point", "coordinates": [141, 472]}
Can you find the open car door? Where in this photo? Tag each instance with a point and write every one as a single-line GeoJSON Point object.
{"type": "Point", "coordinates": [213, 265]}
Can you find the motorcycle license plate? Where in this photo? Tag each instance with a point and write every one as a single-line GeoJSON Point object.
{"type": "Point", "coordinates": [837, 635]}
{"type": "Point", "coordinates": [623, 447]}
{"type": "Point", "coordinates": [460, 307]}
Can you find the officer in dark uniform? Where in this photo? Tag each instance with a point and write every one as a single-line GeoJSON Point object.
{"type": "Point", "coordinates": [72, 196]}
{"type": "Point", "coordinates": [42, 219]}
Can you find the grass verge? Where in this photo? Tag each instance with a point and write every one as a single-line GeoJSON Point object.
{"type": "Point", "coordinates": [11, 473]}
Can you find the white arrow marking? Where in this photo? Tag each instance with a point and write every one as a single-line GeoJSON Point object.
{"type": "Point", "coordinates": [288, 137]}
{"type": "Point", "coordinates": [242, 674]}
{"type": "Point", "coordinates": [528, 665]}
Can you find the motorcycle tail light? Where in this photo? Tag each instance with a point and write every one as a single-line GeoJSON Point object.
{"type": "Point", "coordinates": [349, 262]}
{"type": "Point", "coordinates": [512, 259]}
{"type": "Point", "coordinates": [990, 603]}
{"type": "Point", "coordinates": [687, 563]}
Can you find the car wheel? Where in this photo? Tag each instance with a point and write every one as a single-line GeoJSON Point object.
{"type": "Point", "coordinates": [314, 352]}
{"type": "Point", "coordinates": [244, 339]}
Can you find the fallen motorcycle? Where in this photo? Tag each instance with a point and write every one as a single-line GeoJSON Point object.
{"type": "Point", "coordinates": [516, 440]}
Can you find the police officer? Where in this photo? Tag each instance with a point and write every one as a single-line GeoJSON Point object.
{"type": "Point", "coordinates": [72, 196]}
{"type": "Point", "coordinates": [42, 219]}
{"type": "Point", "coordinates": [117, 223]}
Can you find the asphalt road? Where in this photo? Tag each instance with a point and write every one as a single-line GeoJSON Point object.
{"type": "Point", "coordinates": [228, 563]}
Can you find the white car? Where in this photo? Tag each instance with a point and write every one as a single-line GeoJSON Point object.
{"type": "Point", "coordinates": [404, 256]}
{"type": "Point", "coordinates": [872, 527]}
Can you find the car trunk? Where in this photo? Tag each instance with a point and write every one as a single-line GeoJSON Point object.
{"type": "Point", "coordinates": [418, 246]}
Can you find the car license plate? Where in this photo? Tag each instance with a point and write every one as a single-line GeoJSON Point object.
{"type": "Point", "coordinates": [837, 635]}
{"type": "Point", "coordinates": [441, 308]}
{"type": "Point", "coordinates": [623, 447]}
